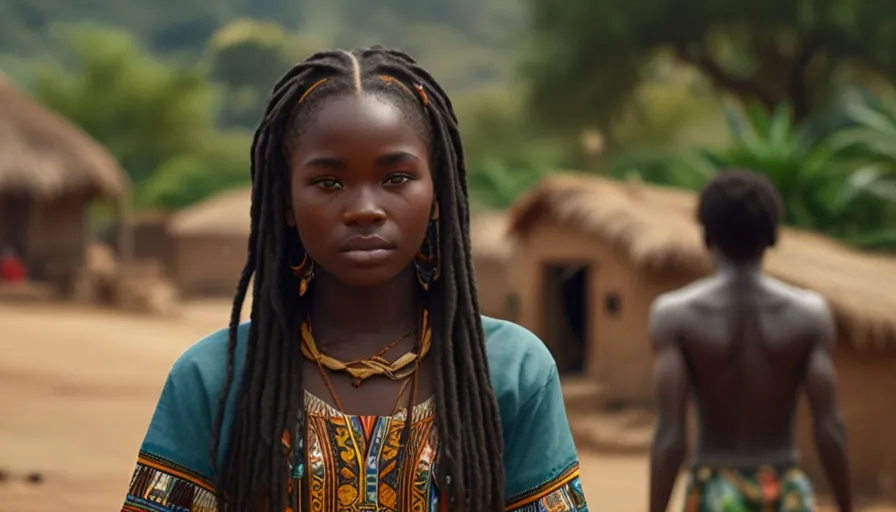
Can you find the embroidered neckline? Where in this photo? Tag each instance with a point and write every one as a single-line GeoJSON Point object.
{"type": "Point", "coordinates": [315, 405]}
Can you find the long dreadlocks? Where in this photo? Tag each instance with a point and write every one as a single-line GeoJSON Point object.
{"type": "Point", "coordinates": [270, 395]}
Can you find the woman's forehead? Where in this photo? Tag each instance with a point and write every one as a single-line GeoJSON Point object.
{"type": "Point", "coordinates": [352, 127]}
{"type": "Point", "coordinates": [367, 111]}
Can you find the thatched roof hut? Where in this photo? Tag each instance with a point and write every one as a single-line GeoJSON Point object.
{"type": "Point", "coordinates": [50, 172]}
{"type": "Point", "coordinates": [656, 227]}
{"type": "Point", "coordinates": [46, 156]}
{"type": "Point", "coordinates": [226, 213]}
{"type": "Point", "coordinates": [209, 241]}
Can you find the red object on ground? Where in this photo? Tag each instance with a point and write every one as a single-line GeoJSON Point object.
{"type": "Point", "coordinates": [12, 270]}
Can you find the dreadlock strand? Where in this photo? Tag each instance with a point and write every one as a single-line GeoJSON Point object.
{"type": "Point", "coordinates": [243, 451]}
{"type": "Point", "coordinates": [235, 316]}
{"type": "Point", "coordinates": [279, 379]}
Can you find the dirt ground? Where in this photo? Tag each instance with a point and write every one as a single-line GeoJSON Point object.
{"type": "Point", "coordinates": [78, 386]}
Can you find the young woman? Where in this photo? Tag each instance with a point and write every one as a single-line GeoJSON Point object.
{"type": "Point", "coordinates": [364, 309]}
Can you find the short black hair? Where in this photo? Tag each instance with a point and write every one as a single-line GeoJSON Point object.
{"type": "Point", "coordinates": [269, 397]}
{"type": "Point", "coordinates": [740, 212]}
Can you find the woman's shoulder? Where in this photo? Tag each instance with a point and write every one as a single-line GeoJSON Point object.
{"type": "Point", "coordinates": [521, 365]}
{"type": "Point", "coordinates": [204, 363]}
{"type": "Point", "coordinates": [179, 434]}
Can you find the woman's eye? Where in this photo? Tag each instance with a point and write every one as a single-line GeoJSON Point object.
{"type": "Point", "coordinates": [328, 184]}
{"type": "Point", "coordinates": [397, 179]}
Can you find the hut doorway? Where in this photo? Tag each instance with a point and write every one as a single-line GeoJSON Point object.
{"type": "Point", "coordinates": [15, 212]}
{"type": "Point", "coordinates": [565, 314]}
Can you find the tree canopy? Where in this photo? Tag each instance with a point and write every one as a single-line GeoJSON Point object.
{"type": "Point", "coordinates": [142, 109]}
{"type": "Point", "coordinates": [587, 57]}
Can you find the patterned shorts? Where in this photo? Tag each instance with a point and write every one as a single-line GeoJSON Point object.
{"type": "Point", "coordinates": [760, 490]}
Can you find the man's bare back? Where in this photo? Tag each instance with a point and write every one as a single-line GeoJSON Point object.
{"type": "Point", "coordinates": [743, 345]}
{"type": "Point", "coordinates": [746, 341]}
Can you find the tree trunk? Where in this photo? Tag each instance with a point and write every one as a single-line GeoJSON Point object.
{"type": "Point", "coordinates": [795, 90]}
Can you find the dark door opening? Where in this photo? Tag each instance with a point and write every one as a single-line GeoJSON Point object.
{"type": "Point", "coordinates": [565, 310]}
{"type": "Point", "coordinates": [15, 212]}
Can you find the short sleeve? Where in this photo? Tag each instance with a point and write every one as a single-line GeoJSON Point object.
{"type": "Point", "coordinates": [173, 470]}
{"type": "Point", "coordinates": [541, 464]}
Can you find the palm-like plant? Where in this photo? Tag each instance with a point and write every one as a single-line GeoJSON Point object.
{"type": "Point", "coordinates": [869, 137]}
{"type": "Point", "coordinates": [499, 183]}
{"type": "Point", "coordinates": [827, 183]}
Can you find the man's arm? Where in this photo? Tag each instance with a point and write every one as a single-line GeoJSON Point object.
{"type": "Point", "coordinates": [821, 388]}
{"type": "Point", "coordinates": [672, 388]}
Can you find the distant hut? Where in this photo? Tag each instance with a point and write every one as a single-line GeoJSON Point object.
{"type": "Point", "coordinates": [598, 252]}
{"type": "Point", "coordinates": [491, 248]}
{"type": "Point", "coordinates": [151, 240]}
{"type": "Point", "coordinates": [50, 172]}
{"type": "Point", "coordinates": [209, 243]}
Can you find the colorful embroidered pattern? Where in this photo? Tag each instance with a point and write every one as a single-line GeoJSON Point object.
{"type": "Point", "coordinates": [158, 485]}
{"type": "Point", "coordinates": [747, 491]}
{"type": "Point", "coordinates": [562, 494]}
{"type": "Point", "coordinates": [356, 462]}
{"type": "Point", "coordinates": [353, 463]}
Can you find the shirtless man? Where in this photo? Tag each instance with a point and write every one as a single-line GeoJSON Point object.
{"type": "Point", "coordinates": [745, 345]}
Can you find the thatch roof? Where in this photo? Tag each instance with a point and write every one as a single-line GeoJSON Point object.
{"type": "Point", "coordinates": [488, 235]}
{"type": "Point", "coordinates": [224, 214]}
{"type": "Point", "coordinates": [656, 226]}
{"type": "Point", "coordinates": [46, 156]}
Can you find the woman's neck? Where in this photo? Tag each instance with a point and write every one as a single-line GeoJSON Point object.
{"type": "Point", "coordinates": [342, 312]}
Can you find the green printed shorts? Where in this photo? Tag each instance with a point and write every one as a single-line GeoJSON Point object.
{"type": "Point", "coordinates": [761, 490]}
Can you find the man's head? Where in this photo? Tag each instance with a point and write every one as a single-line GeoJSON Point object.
{"type": "Point", "coordinates": [740, 212]}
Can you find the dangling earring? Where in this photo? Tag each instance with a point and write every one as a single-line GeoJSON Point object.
{"type": "Point", "coordinates": [427, 259]}
{"type": "Point", "coordinates": [304, 272]}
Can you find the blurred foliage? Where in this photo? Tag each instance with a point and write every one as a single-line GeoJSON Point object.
{"type": "Point", "coordinates": [869, 132]}
{"type": "Point", "coordinates": [156, 117]}
{"type": "Point", "coordinates": [675, 107]}
{"type": "Point", "coordinates": [247, 57]}
{"type": "Point", "coordinates": [176, 91]}
{"type": "Point", "coordinates": [596, 53]}
{"type": "Point", "coordinates": [218, 165]}
{"type": "Point", "coordinates": [827, 183]}
{"type": "Point", "coordinates": [143, 109]}
{"type": "Point", "coordinates": [506, 155]}
{"type": "Point", "coordinates": [465, 42]}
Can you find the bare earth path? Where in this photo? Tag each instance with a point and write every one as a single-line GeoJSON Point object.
{"type": "Point", "coordinates": [77, 388]}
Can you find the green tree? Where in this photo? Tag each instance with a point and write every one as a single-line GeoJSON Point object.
{"type": "Point", "coordinates": [143, 110]}
{"type": "Point", "coordinates": [247, 57]}
{"type": "Point", "coordinates": [220, 164]}
{"type": "Point", "coordinates": [588, 56]}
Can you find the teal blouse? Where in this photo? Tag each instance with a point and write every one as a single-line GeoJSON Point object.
{"type": "Point", "coordinates": [173, 471]}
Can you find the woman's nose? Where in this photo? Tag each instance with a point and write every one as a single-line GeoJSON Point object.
{"type": "Point", "coordinates": [363, 208]}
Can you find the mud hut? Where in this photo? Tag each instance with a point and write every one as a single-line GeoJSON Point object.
{"type": "Point", "coordinates": [625, 243]}
{"type": "Point", "coordinates": [491, 249]}
{"type": "Point", "coordinates": [50, 172]}
{"type": "Point", "coordinates": [149, 230]}
{"type": "Point", "coordinates": [208, 243]}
